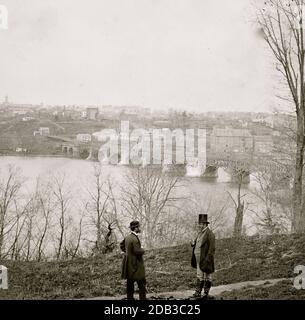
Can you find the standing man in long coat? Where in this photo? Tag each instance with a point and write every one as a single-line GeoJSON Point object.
{"type": "Point", "coordinates": [203, 256]}
{"type": "Point", "coordinates": [133, 264]}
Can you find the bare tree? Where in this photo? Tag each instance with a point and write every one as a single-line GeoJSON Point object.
{"type": "Point", "coordinates": [147, 196]}
{"type": "Point", "coordinates": [10, 185]}
{"type": "Point", "coordinates": [62, 200]}
{"type": "Point", "coordinates": [78, 240]}
{"type": "Point", "coordinates": [271, 185]}
{"type": "Point", "coordinates": [102, 209]}
{"type": "Point", "coordinates": [15, 251]}
{"type": "Point", "coordinates": [29, 234]}
{"type": "Point", "coordinates": [281, 23]}
{"type": "Point", "coordinates": [239, 174]}
{"type": "Point", "coordinates": [72, 248]}
{"type": "Point", "coordinates": [45, 203]}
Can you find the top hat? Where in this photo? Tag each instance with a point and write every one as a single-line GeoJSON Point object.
{"type": "Point", "coordinates": [134, 224]}
{"type": "Point", "coordinates": [203, 218]}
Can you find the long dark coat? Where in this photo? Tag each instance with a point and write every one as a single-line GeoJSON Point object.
{"type": "Point", "coordinates": [206, 254]}
{"type": "Point", "coordinates": [133, 263]}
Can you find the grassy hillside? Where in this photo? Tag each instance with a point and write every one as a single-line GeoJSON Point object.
{"type": "Point", "coordinates": [167, 269]}
{"type": "Point", "coordinates": [283, 290]}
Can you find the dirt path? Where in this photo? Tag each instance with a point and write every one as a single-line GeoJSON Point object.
{"type": "Point", "coordinates": [214, 290]}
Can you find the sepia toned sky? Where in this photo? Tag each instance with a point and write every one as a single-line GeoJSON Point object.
{"type": "Point", "coordinates": [190, 54]}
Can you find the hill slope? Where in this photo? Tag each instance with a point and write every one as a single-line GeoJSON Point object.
{"type": "Point", "coordinates": [167, 269]}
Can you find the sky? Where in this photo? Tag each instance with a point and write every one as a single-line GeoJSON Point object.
{"type": "Point", "coordinates": [195, 55]}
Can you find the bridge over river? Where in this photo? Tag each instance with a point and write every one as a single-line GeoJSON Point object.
{"type": "Point", "coordinates": [239, 157]}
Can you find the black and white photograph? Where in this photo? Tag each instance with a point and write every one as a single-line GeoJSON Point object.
{"type": "Point", "coordinates": [152, 150]}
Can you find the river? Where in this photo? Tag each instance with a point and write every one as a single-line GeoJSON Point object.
{"type": "Point", "coordinates": [79, 172]}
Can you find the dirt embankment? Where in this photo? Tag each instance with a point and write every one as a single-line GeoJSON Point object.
{"type": "Point", "coordinates": [167, 269]}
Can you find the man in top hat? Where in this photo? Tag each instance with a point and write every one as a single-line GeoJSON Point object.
{"type": "Point", "coordinates": [133, 265]}
{"type": "Point", "coordinates": [203, 256]}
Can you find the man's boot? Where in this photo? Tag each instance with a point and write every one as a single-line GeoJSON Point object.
{"type": "Point", "coordinates": [142, 289]}
{"type": "Point", "coordinates": [130, 290]}
{"type": "Point", "coordinates": [142, 295]}
{"type": "Point", "coordinates": [199, 286]}
{"type": "Point", "coordinates": [207, 287]}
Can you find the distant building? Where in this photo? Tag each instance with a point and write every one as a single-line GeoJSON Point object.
{"type": "Point", "coordinates": [25, 119]}
{"type": "Point", "coordinates": [43, 131]}
{"type": "Point", "coordinates": [126, 110]}
{"type": "Point", "coordinates": [20, 112]}
{"type": "Point", "coordinates": [17, 108]}
{"type": "Point", "coordinates": [267, 120]}
{"type": "Point", "coordinates": [162, 123]}
{"type": "Point", "coordinates": [263, 144]}
{"type": "Point", "coordinates": [231, 140]}
{"type": "Point", "coordinates": [100, 136]}
{"type": "Point", "coordinates": [83, 137]}
{"type": "Point", "coordinates": [92, 113]}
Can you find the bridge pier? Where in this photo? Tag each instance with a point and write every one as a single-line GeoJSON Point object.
{"type": "Point", "coordinates": [194, 170]}
{"type": "Point", "coordinates": [90, 155]}
{"type": "Point", "coordinates": [70, 150]}
{"type": "Point", "coordinates": [75, 152]}
{"type": "Point", "coordinates": [211, 172]}
{"type": "Point", "coordinates": [179, 170]}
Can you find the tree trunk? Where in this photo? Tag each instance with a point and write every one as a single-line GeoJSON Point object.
{"type": "Point", "coordinates": [1, 244]}
{"type": "Point", "coordinates": [99, 241]}
{"type": "Point", "coordinates": [298, 223]}
{"type": "Point", "coordinates": [41, 242]}
{"type": "Point", "coordinates": [61, 238]}
{"type": "Point", "coordinates": [238, 223]}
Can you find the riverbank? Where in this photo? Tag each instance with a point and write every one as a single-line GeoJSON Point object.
{"type": "Point", "coordinates": [167, 269]}
{"type": "Point", "coordinates": [31, 155]}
